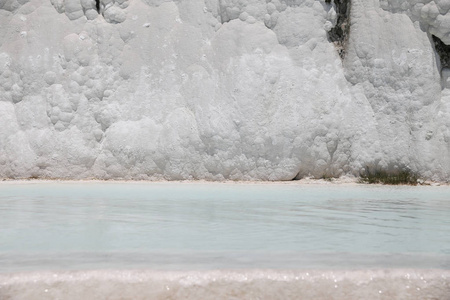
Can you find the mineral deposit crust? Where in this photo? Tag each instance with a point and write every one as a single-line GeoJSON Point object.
{"type": "Point", "coordinates": [221, 89]}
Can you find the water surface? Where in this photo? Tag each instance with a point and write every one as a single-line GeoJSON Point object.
{"type": "Point", "coordinates": [180, 226]}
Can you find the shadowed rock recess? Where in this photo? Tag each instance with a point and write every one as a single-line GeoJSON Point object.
{"type": "Point", "coordinates": [443, 51]}
{"type": "Point", "coordinates": [97, 5]}
{"type": "Point", "coordinates": [340, 32]}
{"type": "Point", "coordinates": [223, 89]}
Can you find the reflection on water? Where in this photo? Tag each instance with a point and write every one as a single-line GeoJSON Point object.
{"type": "Point", "coordinates": [256, 225]}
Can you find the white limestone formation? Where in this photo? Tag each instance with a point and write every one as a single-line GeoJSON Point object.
{"type": "Point", "coordinates": [222, 89]}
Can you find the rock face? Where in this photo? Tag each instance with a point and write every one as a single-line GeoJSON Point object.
{"type": "Point", "coordinates": [223, 89]}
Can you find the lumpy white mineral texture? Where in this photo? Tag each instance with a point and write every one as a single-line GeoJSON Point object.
{"type": "Point", "coordinates": [221, 89]}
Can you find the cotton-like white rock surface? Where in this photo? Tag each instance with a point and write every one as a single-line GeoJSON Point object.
{"type": "Point", "coordinates": [221, 89]}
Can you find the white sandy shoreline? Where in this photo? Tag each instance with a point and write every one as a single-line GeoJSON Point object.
{"type": "Point", "coordinates": [202, 276]}
{"type": "Point", "coordinates": [229, 284]}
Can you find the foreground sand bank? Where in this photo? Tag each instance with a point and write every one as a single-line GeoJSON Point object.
{"type": "Point", "coordinates": [242, 284]}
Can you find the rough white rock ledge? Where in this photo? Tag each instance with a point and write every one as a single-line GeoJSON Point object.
{"type": "Point", "coordinates": [221, 89]}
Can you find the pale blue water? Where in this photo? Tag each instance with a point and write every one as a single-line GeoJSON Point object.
{"type": "Point", "coordinates": [215, 225]}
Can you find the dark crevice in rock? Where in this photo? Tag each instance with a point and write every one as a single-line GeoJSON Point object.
{"type": "Point", "coordinates": [222, 11]}
{"type": "Point", "coordinates": [297, 176]}
{"type": "Point", "coordinates": [97, 5]}
{"type": "Point", "coordinates": [339, 34]}
{"type": "Point", "coordinates": [443, 51]}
